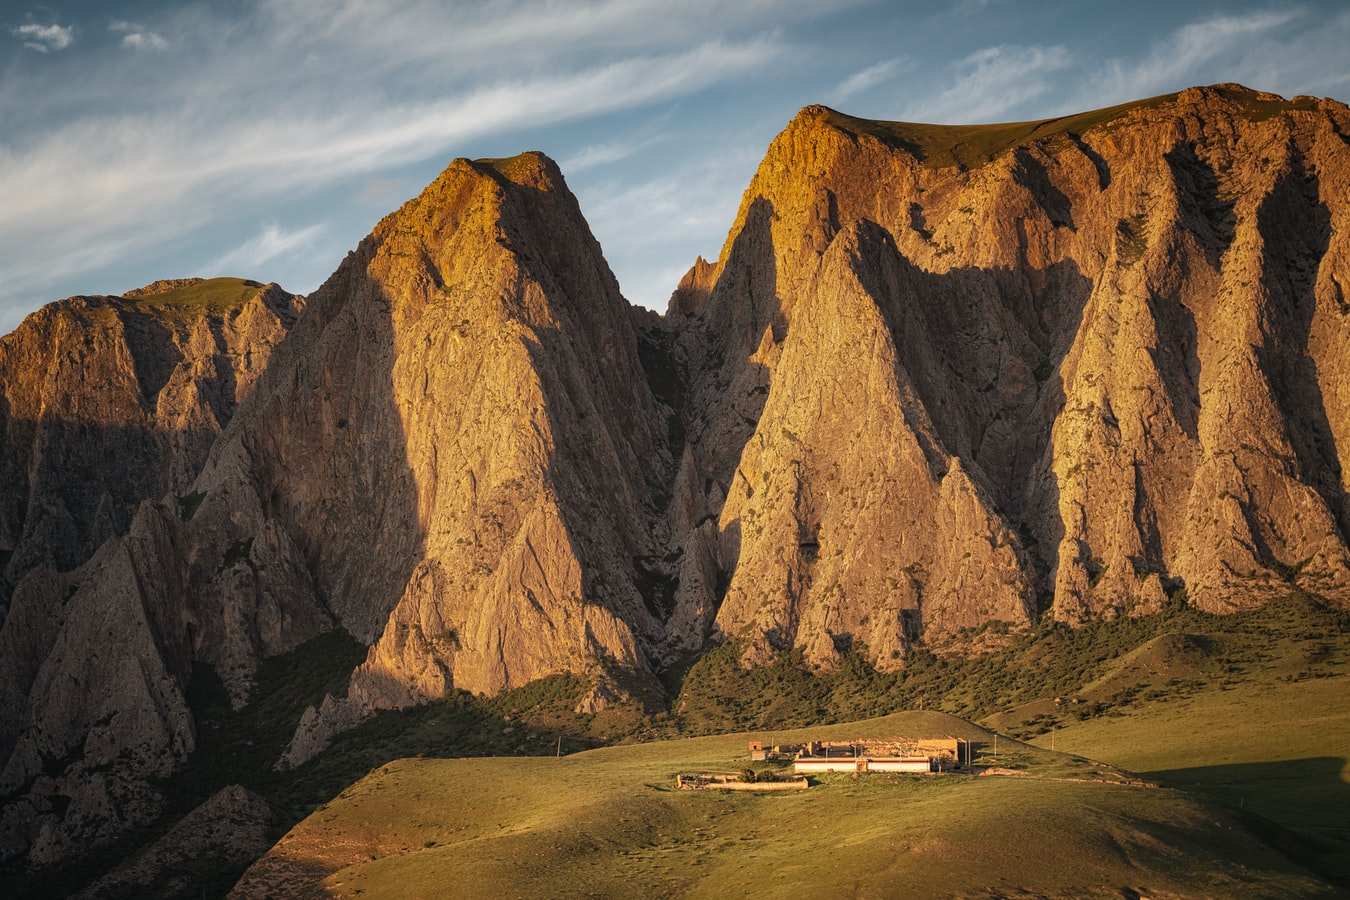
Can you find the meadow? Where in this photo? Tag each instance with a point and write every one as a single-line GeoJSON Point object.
{"type": "Point", "coordinates": [608, 823]}
{"type": "Point", "coordinates": [1240, 722]}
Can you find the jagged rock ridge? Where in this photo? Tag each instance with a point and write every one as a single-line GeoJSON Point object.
{"type": "Point", "coordinates": [107, 402]}
{"type": "Point", "coordinates": [941, 375]}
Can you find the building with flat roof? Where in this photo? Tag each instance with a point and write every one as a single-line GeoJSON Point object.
{"type": "Point", "coordinates": [820, 764]}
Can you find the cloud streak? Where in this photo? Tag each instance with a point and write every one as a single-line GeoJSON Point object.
{"type": "Point", "coordinates": [44, 38]}
{"type": "Point", "coordinates": [990, 82]}
{"type": "Point", "coordinates": [868, 78]}
{"type": "Point", "coordinates": [268, 244]}
{"type": "Point", "coordinates": [596, 155]}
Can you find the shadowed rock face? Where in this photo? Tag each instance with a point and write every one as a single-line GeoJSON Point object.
{"type": "Point", "coordinates": [107, 401]}
{"type": "Point", "coordinates": [939, 377]}
{"type": "Point", "coordinates": [529, 451]}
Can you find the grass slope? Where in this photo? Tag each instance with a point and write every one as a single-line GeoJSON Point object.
{"type": "Point", "coordinates": [1109, 667]}
{"type": "Point", "coordinates": [1277, 750]}
{"type": "Point", "coordinates": [1035, 836]}
{"type": "Point", "coordinates": [607, 823]}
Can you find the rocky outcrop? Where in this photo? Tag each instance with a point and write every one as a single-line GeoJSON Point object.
{"type": "Point", "coordinates": [104, 403]}
{"type": "Point", "coordinates": [226, 833]}
{"type": "Point", "coordinates": [108, 401]}
{"type": "Point", "coordinates": [944, 375]}
{"type": "Point", "coordinates": [163, 286]}
{"type": "Point", "coordinates": [528, 450]}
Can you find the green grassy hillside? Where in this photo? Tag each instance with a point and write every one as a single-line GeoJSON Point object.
{"type": "Point", "coordinates": [1109, 668]}
{"type": "Point", "coordinates": [607, 823]}
{"type": "Point", "coordinates": [1278, 750]}
{"type": "Point", "coordinates": [213, 294]}
{"type": "Point", "coordinates": [1242, 714]}
{"type": "Point", "coordinates": [1126, 677]}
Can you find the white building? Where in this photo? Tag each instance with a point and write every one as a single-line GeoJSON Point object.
{"type": "Point", "coordinates": [819, 764]}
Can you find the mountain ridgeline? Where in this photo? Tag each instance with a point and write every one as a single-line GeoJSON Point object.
{"type": "Point", "coordinates": [939, 377]}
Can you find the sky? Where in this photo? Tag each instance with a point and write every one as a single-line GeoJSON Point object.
{"type": "Point", "coordinates": [142, 139]}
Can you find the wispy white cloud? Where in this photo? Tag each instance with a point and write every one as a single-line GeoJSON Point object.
{"type": "Point", "coordinates": [604, 154]}
{"type": "Point", "coordinates": [267, 244]}
{"type": "Point", "coordinates": [44, 38]}
{"type": "Point", "coordinates": [1174, 61]}
{"type": "Point", "coordinates": [990, 82]}
{"type": "Point", "coordinates": [145, 40]}
{"type": "Point", "coordinates": [153, 158]}
{"type": "Point", "coordinates": [869, 78]}
{"type": "Point", "coordinates": [415, 29]}
{"type": "Point", "coordinates": [138, 37]}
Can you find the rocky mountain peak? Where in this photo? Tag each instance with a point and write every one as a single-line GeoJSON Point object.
{"type": "Point", "coordinates": [1004, 261]}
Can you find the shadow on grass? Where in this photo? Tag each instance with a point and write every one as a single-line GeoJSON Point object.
{"type": "Point", "coordinates": [1300, 807]}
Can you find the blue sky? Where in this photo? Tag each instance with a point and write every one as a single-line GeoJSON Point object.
{"type": "Point", "coordinates": [264, 138]}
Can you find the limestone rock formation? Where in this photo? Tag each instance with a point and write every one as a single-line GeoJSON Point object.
{"type": "Point", "coordinates": [107, 401]}
{"type": "Point", "coordinates": [944, 374]}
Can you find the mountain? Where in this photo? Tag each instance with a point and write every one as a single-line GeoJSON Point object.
{"type": "Point", "coordinates": [422, 464]}
{"type": "Point", "coordinates": [942, 383]}
{"type": "Point", "coordinates": [110, 400]}
{"type": "Point", "coordinates": [944, 375]}
{"type": "Point", "coordinates": [105, 402]}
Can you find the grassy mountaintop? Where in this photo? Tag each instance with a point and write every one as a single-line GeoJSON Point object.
{"type": "Point", "coordinates": [970, 146]}
{"type": "Point", "coordinates": [212, 294]}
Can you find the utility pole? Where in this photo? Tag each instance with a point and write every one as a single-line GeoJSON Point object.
{"type": "Point", "coordinates": [559, 756]}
